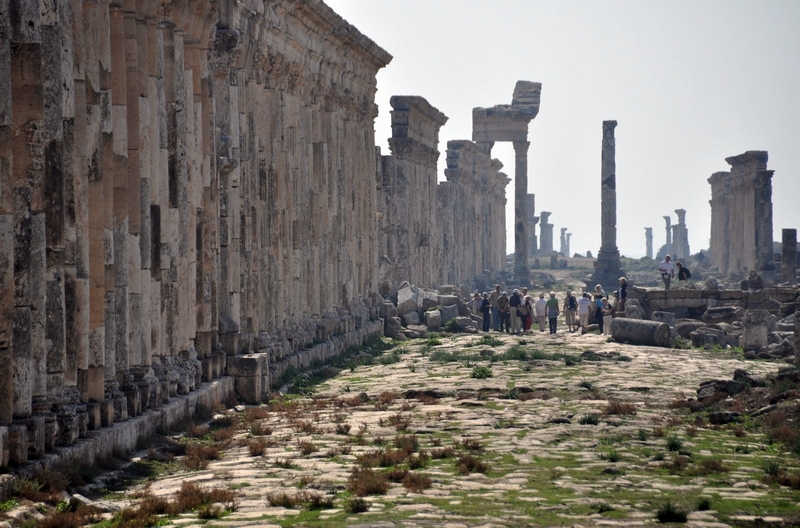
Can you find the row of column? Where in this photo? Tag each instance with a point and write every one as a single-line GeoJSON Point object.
{"type": "Point", "coordinates": [169, 193]}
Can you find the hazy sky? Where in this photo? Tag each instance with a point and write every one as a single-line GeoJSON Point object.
{"type": "Point", "coordinates": [690, 83]}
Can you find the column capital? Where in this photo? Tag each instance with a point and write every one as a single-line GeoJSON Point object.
{"type": "Point", "coordinates": [521, 147]}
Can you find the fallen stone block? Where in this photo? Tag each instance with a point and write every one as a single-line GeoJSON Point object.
{"type": "Point", "coordinates": [449, 312]}
{"type": "Point", "coordinates": [685, 328]}
{"type": "Point", "coordinates": [756, 330]}
{"type": "Point", "coordinates": [416, 331]}
{"type": "Point", "coordinates": [708, 337]}
{"type": "Point", "coordinates": [433, 320]}
{"type": "Point", "coordinates": [410, 318]}
{"type": "Point", "coordinates": [640, 332]}
{"type": "Point", "coordinates": [393, 327]}
{"type": "Point", "coordinates": [408, 299]}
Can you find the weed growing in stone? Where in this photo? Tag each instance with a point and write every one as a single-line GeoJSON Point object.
{"type": "Point", "coordinates": [669, 512]}
{"type": "Point", "coordinates": [481, 372]}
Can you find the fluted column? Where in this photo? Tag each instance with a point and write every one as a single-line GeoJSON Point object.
{"type": "Point", "coordinates": [608, 195]}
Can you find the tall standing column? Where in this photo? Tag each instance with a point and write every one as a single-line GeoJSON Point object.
{"type": "Point", "coordinates": [568, 253]}
{"type": "Point", "coordinates": [607, 267]}
{"type": "Point", "coordinates": [608, 192]}
{"type": "Point", "coordinates": [789, 256]}
{"type": "Point", "coordinates": [668, 222]}
{"type": "Point", "coordinates": [648, 236]}
{"type": "Point", "coordinates": [521, 270]}
{"type": "Point", "coordinates": [563, 248]}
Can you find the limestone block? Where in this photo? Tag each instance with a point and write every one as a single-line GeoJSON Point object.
{"type": "Point", "coordinates": [756, 329]}
{"type": "Point", "coordinates": [708, 337]}
{"type": "Point", "coordinates": [94, 418]}
{"type": "Point", "coordinates": [388, 310]}
{"type": "Point", "coordinates": [36, 435]}
{"type": "Point", "coordinates": [251, 365]}
{"type": "Point", "coordinates": [410, 318]}
{"type": "Point", "coordinates": [416, 331]}
{"type": "Point", "coordinates": [448, 313]}
{"type": "Point", "coordinates": [633, 310]}
{"type": "Point", "coordinates": [408, 300]}
{"type": "Point", "coordinates": [393, 327]}
{"type": "Point", "coordinates": [639, 332]}
{"type": "Point", "coordinates": [106, 413]}
{"type": "Point", "coordinates": [433, 320]}
{"type": "Point", "coordinates": [17, 445]}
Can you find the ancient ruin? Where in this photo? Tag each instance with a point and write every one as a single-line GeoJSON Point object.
{"type": "Point", "coordinates": [545, 234]}
{"type": "Point", "coordinates": [680, 237]}
{"type": "Point", "coordinates": [530, 211]}
{"type": "Point", "coordinates": [789, 256]}
{"type": "Point", "coordinates": [567, 253]}
{"type": "Point", "coordinates": [407, 195]}
{"type": "Point", "coordinates": [607, 267]}
{"type": "Point", "coordinates": [667, 248]}
{"type": "Point", "coordinates": [563, 244]}
{"type": "Point", "coordinates": [741, 215]}
{"type": "Point", "coordinates": [648, 235]}
{"type": "Point", "coordinates": [510, 123]}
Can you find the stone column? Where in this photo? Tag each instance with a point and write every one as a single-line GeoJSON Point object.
{"type": "Point", "coordinates": [719, 245]}
{"type": "Point", "coordinates": [568, 253]}
{"type": "Point", "coordinates": [607, 267]}
{"type": "Point", "coordinates": [546, 235]}
{"type": "Point", "coordinates": [563, 248]}
{"type": "Point", "coordinates": [789, 257]}
{"type": "Point", "coordinates": [648, 236]}
{"type": "Point", "coordinates": [531, 222]}
{"type": "Point", "coordinates": [521, 270]}
{"type": "Point", "coordinates": [668, 222]}
{"type": "Point", "coordinates": [608, 190]}
{"type": "Point", "coordinates": [680, 236]}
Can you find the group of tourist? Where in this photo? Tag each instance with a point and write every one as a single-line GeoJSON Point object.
{"type": "Point", "coordinates": [514, 313]}
{"type": "Point", "coordinates": [667, 270]}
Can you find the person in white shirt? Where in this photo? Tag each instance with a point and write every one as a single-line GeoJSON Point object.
{"type": "Point", "coordinates": [667, 270]}
{"type": "Point", "coordinates": [541, 312]}
{"type": "Point", "coordinates": [585, 306]}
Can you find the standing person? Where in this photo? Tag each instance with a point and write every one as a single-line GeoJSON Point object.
{"type": "Point", "coordinates": [552, 312]}
{"type": "Point", "coordinates": [608, 314]}
{"type": "Point", "coordinates": [527, 311]}
{"type": "Point", "coordinates": [570, 307]}
{"type": "Point", "coordinates": [598, 311]}
{"type": "Point", "coordinates": [584, 310]}
{"type": "Point", "coordinates": [541, 311]}
{"type": "Point", "coordinates": [502, 306]}
{"type": "Point", "coordinates": [598, 290]}
{"type": "Point", "coordinates": [486, 309]}
{"type": "Point", "coordinates": [683, 275]}
{"type": "Point", "coordinates": [495, 310]}
{"type": "Point", "coordinates": [475, 304]}
{"type": "Point", "coordinates": [667, 270]}
{"type": "Point", "coordinates": [513, 309]}
{"type": "Point", "coordinates": [623, 293]}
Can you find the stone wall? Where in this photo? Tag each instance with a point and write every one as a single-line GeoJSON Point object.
{"type": "Point", "coordinates": [683, 301]}
{"type": "Point", "coordinates": [410, 240]}
{"type": "Point", "coordinates": [741, 215]}
{"type": "Point", "coordinates": [180, 183]}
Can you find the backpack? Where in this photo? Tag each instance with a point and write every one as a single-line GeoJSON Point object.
{"type": "Point", "coordinates": [571, 303]}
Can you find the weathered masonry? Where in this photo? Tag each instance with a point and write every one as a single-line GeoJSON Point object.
{"type": "Point", "coordinates": [181, 184]}
{"type": "Point", "coordinates": [741, 215]}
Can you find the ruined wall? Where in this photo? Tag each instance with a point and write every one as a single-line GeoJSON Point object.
{"type": "Point", "coordinates": [179, 182]}
{"type": "Point", "coordinates": [471, 211]}
{"type": "Point", "coordinates": [410, 239]}
{"type": "Point", "coordinates": [741, 215]}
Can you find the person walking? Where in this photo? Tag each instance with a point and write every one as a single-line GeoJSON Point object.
{"type": "Point", "coordinates": [552, 312]}
{"type": "Point", "coordinates": [513, 308]}
{"type": "Point", "coordinates": [608, 315]}
{"type": "Point", "coordinates": [667, 270]}
{"type": "Point", "coordinates": [683, 275]}
{"type": "Point", "coordinates": [584, 310]}
{"type": "Point", "coordinates": [541, 311]}
{"type": "Point", "coordinates": [570, 309]}
{"type": "Point", "coordinates": [486, 310]}
{"type": "Point", "coordinates": [495, 309]}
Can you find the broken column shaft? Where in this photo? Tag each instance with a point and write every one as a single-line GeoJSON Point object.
{"type": "Point", "coordinates": [648, 236]}
{"type": "Point", "coordinates": [789, 256]}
